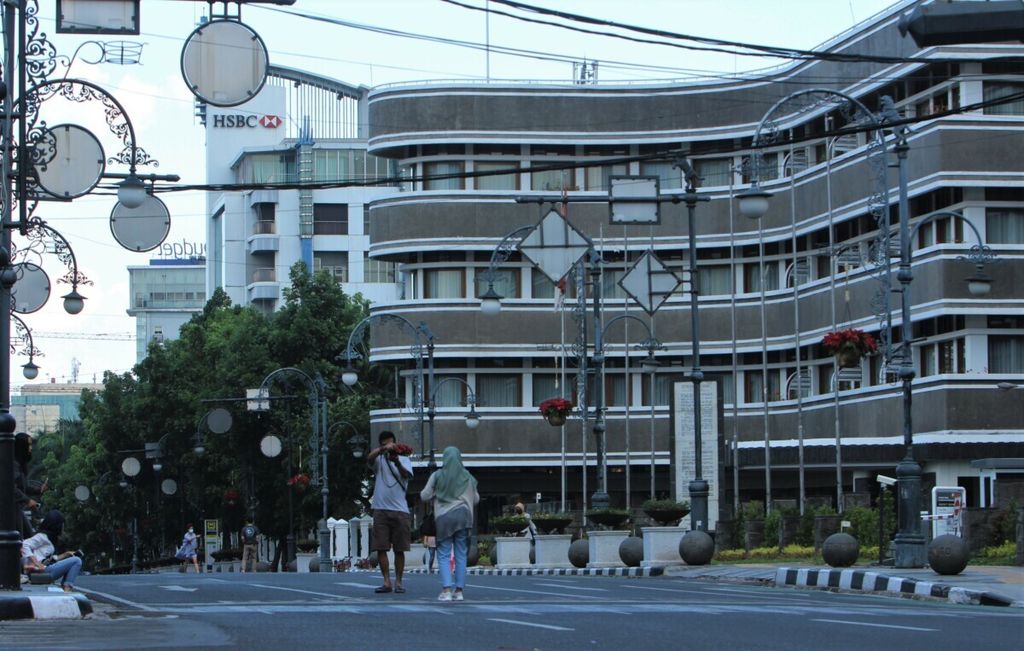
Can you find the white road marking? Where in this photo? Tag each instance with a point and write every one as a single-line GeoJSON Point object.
{"type": "Point", "coordinates": [534, 592]}
{"type": "Point", "coordinates": [178, 588]}
{"type": "Point", "coordinates": [572, 587]}
{"type": "Point", "coordinates": [644, 587]}
{"type": "Point", "coordinates": [906, 628]}
{"type": "Point", "coordinates": [547, 626]}
{"type": "Point", "coordinates": [319, 594]}
{"type": "Point", "coordinates": [356, 585]}
{"type": "Point", "coordinates": [117, 599]}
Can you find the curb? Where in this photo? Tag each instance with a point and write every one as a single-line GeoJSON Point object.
{"type": "Point", "coordinates": [866, 581]}
{"type": "Point", "coordinates": [563, 571]}
{"type": "Point", "coordinates": [44, 606]}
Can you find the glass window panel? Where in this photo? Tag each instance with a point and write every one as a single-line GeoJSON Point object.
{"type": "Point", "coordinates": [506, 282]}
{"type": "Point", "coordinates": [1004, 226]}
{"type": "Point", "coordinates": [549, 386]}
{"type": "Point", "coordinates": [752, 276]}
{"type": "Point", "coordinates": [493, 390]}
{"type": "Point", "coordinates": [996, 90]}
{"type": "Point", "coordinates": [443, 283]}
{"type": "Point", "coordinates": [552, 180]}
{"type": "Point", "coordinates": [715, 279]}
{"type": "Point", "coordinates": [1006, 353]}
{"type": "Point", "coordinates": [542, 285]}
{"type": "Point", "coordinates": [610, 283]}
{"type": "Point", "coordinates": [330, 219]}
{"type": "Point", "coordinates": [596, 178]}
{"type": "Point", "coordinates": [448, 394]}
{"type": "Point", "coordinates": [498, 181]}
{"type": "Point", "coordinates": [669, 177]}
{"type": "Point", "coordinates": [443, 168]}
{"type": "Point", "coordinates": [713, 171]}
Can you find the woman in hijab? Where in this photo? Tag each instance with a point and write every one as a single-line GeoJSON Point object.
{"type": "Point", "coordinates": [37, 553]}
{"type": "Point", "coordinates": [455, 497]}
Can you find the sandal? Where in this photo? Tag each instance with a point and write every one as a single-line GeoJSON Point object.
{"type": "Point", "coordinates": [383, 589]}
{"type": "Point", "coordinates": [399, 589]}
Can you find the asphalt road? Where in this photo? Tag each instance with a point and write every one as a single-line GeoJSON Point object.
{"type": "Point", "coordinates": [334, 611]}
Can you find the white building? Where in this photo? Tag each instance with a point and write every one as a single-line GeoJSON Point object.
{"type": "Point", "coordinates": [165, 295]}
{"type": "Point", "coordinates": [299, 127]}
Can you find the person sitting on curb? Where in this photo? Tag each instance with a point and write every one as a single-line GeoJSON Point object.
{"type": "Point", "coordinates": [37, 553]}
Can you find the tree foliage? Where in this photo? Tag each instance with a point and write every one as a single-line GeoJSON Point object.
{"type": "Point", "coordinates": [220, 353]}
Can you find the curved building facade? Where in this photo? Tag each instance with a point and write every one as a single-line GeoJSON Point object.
{"type": "Point", "coordinates": [470, 154]}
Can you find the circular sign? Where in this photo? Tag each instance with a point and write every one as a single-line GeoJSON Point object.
{"type": "Point", "coordinates": [31, 289]}
{"type": "Point", "coordinates": [72, 161]}
{"type": "Point", "coordinates": [224, 63]}
{"type": "Point", "coordinates": [218, 420]}
{"type": "Point", "coordinates": [270, 446]}
{"type": "Point", "coordinates": [131, 466]}
{"type": "Point", "coordinates": [81, 493]}
{"type": "Point", "coordinates": [169, 487]}
{"type": "Point", "coordinates": [143, 228]}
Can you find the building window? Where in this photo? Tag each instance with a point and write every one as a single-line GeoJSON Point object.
{"type": "Point", "coordinates": [662, 389]}
{"type": "Point", "coordinates": [768, 167]}
{"type": "Point", "coordinates": [448, 394]}
{"type": "Point", "coordinates": [378, 271]}
{"type": "Point", "coordinates": [997, 90]}
{"type": "Point", "coordinates": [444, 283]}
{"type": "Point", "coordinates": [452, 169]}
{"type": "Point", "coordinates": [596, 179]}
{"type": "Point", "coordinates": [752, 276]}
{"type": "Point", "coordinates": [335, 263]}
{"type": "Point", "coordinates": [615, 389]}
{"type": "Point", "coordinates": [714, 279]}
{"type": "Point", "coordinates": [330, 219]}
{"type": "Point", "coordinates": [1004, 226]}
{"type": "Point", "coordinates": [549, 385]}
{"type": "Point", "coordinates": [713, 171]}
{"type": "Point", "coordinates": [669, 177]}
{"type": "Point", "coordinates": [498, 390]}
{"type": "Point", "coordinates": [497, 181]}
{"type": "Point", "coordinates": [753, 386]}
{"type": "Point", "coordinates": [366, 220]}
{"type": "Point", "coordinates": [552, 180]}
{"type": "Point", "coordinates": [1006, 353]}
{"type": "Point", "coordinates": [610, 287]}
{"type": "Point", "coordinates": [506, 282]}
{"type": "Point", "coordinates": [265, 215]}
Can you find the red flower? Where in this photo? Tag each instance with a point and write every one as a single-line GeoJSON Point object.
{"type": "Point", "coordinates": [553, 406]}
{"type": "Point", "coordinates": [839, 340]}
{"type": "Point", "coordinates": [403, 449]}
{"type": "Point", "coordinates": [231, 495]}
{"type": "Point", "coordinates": [300, 480]}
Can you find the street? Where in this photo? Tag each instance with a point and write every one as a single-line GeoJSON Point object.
{"type": "Point", "coordinates": [530, 612]}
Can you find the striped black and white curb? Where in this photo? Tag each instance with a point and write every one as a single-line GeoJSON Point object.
{"type": "Point", "coordinates": [550, 571]}
{"type": "Point", "coordinates": [875, 582]}
{"type": "Point", "coordinates": [44, 606]}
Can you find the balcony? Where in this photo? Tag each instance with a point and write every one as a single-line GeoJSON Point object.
{"type": "Point", "coordinates": [258, 244]}
{"type": "Point", "coordinates": [264, 227]}
{"type": "Point", "coordinates": [264, 275]}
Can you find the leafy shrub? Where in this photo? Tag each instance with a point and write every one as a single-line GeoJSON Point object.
{"type": "Point", "coordinates": [772, 526]}
{"type": "Point", "coordinates": [863, 524]}
{"type": "Point", "coordinates": [805, 532]}
{"type": "Point", "coordinates": [728, 555]}
{"type": "Point", "coordinates": [1004, 525]}
{"type": "Point", "coordinates": [664, 505]}
{"type": "Point", "coordinates": [484, 561]}
{"type": "Point", "coordinates": [753, 510]}
{"type": "Point", "coordinates": [825, 509]}
{"type": "Point", "coordinates": [1001, 552]}
{"type": "Point", "coordinates": [798, 551]}
{"type": "Point", "coordinates": [509, 523]}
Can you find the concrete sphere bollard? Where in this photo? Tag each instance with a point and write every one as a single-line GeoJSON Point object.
{"type": "Point", "coordinates": [696, 548]}
{"type": "Point", "coordinates": [314, 565]}
{"type": "Point", "coordinates": [579, 553]}
{"type": "Point", "coordinates": [948, 554]}
{"type": "Point", "coordinates": [840, 550]}
{"type": "Point", "coordinates": [631, 551]}
{"type": "Point", "coordinates": [472, 555]}
{"type": "Point", "coordinates": [262, 566]}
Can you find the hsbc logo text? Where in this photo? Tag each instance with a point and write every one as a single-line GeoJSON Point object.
{"type": "Point", "coordinates": [246, 121]}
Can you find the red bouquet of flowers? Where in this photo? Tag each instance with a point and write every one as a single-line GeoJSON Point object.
{"type": "Point", "coordinates": [555, 407]}
{"type": "Point", "coordinates": [403, 449]}
{"type": "Point", "coordinates": [850, 339]}
{"type": "Point", "coordinates": [300, 480]}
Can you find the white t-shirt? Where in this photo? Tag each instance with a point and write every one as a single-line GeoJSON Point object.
{"type": "Point", "coordinates": [38, 547]}
{"type": "Point", "coordinates": [390, 486]}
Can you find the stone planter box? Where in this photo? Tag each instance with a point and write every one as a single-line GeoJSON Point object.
{"type": "Point", "coordinates": [724, 534]}
{"type": "Point", "coordinates": [302, 561]}
{"type": "Point", "coordinates": [513, 552]}
{"type": "Point", "coordinates": [825, 526]}
{"type": "Point", "coordinates": [604, 548]}
{"type": "Point", "coordinates": [553, 550]}
{"type": "Point", "coordinates": [788, 529]}
{"type": "Point", "coordinates": [661, 546]}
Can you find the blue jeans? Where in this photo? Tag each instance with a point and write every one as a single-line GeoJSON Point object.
{"type": "Point", "coordinates": [460, 539]}
{"type": "Point", "coordinates": [65, 571]}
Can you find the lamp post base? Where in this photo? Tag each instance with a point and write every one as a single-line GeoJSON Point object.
{"type": "Point", "coordinates": [325, 548]}
{"type": "Point", "coordinates": [600, 500]}
{"type": "Point", "coordinates": [699, 490]}
{"type": "Point", "coordinates": [910, 549]}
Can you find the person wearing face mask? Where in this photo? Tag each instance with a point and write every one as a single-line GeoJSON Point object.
{"type": "Point", "coordinates": [189, 550]}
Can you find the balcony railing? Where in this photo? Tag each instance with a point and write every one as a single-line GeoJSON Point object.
{"type": "Point", "coordinates": [264, 275]}
{"type": "Point", "coordinates": [264, 227]}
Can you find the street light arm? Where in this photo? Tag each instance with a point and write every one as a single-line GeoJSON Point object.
{"type": "Point", "coordinates": [470, 395]}
{"type": "Point", "coordinates": [506, 247]}
{"type": "Point", "coordinates": [359, 331]}
{"type": "Point", "coordinates": [980, 253]}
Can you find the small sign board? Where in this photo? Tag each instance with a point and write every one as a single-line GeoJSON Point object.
{"type": "Point", "coordinates": [211, 540]}
{"type": "Point", "coordinates": [948, 503]}
{"type": "Point", "coordinates": [98, 16]}
{"type": "Point", "coordinates": [634, 200]}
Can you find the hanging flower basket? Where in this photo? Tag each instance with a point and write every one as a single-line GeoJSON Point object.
{"type": "Point", "coordinates": [849, 346]}
{"type": "Point", "coordinates": [299, 482]}
{"type": "Point", "coordinates": [556, 410]}
{"type": "Point", "coordinates": [231, 496]}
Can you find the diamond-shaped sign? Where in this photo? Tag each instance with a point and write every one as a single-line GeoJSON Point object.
{"type": "Point", "coordinates": [649, 282]}
{"type": "Point", "coordinates": [554, 245]}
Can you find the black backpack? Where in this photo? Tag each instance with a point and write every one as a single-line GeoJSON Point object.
{"type": "Point", "coordinates": [249, 533]}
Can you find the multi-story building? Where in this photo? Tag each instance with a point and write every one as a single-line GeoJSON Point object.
{"type": "Point", "coordinates": [300, 128]}
{"type": "Point", "coordinates": [444, 224]}
{"type": "Point", "coordinates": [166, 294]}
{"type": "Point", "coordinates": [39, 408]}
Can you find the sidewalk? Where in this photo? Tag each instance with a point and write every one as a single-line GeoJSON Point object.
{"type": "Point", "coordinates": [990, 585]}
{"type": "Point", "coordinates": [43, 602]}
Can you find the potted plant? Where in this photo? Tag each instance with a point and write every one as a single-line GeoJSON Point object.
{"type": "Point", "coordinates": [231, 496]}
{"type": "Point", "coordinates": [552, 522]}
{"type": "Point", "coordinates": [509, 524]}
{"type": "Point", "coordinates": [299, 482]}
{"type": "Point", "coordinates": [849, 345]}
{"type": "Point", "coordinates": [307, 546]}
{"type": "Point", "coordinates": [556, 410]}
{"type": "Point", "coordinates": [667, 513]}
{"type": "Point", "coordinates": [609, 517]}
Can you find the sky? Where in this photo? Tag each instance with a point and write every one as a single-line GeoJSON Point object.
{"type": "Point", "coordinates": [162, 109]}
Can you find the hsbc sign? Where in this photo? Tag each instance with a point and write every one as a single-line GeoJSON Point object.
{"type": "Point", "coordinates": [231, 121]}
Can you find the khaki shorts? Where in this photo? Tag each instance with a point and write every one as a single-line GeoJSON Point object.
{"type": "Point", "coordinates": [390, 531]}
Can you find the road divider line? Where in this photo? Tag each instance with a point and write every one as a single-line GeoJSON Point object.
{"type": "Point", "coordinates": [906, 628]}
{"type": "Point", "coordinates": [572, 587]}
{"type": "Point", "coordinates": [533, 624]}
{"type": "Point", "coordinates": [116, 599]}
{"type": "Point", "coordinates": [556, 594]}
{"type": "Point", "coordinates": [319, 594]}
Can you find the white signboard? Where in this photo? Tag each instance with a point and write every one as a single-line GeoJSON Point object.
{"type": "Point", "coordinates": [684, 458]}
{"type": "Point", "coordinates": [948, 503]}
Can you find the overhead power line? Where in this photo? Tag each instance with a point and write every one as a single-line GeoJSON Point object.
{"type": "Point", "coordinates": [93, 336]}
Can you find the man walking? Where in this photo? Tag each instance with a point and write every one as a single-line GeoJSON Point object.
{"type": "Point", "coordinates": [390, 508]}
{"type": "Point", "coordinates": [249, 550]}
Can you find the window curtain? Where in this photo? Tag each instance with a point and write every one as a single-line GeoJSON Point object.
{"type": "Point", "coordinates": [448, 394]}
{"type": "Point", "coordinates": [1004, 226]}
{"type": "Point", "coordinates": [714, 280]}
{"type": "Point", "coordinates": [546, 386]}
{"type": "Point", "coordinates": [505, 282]}
{"type": "Point", "coordinates": [444, 283]}
{"type": "Point", "coordinates": [1006, 353]}
{"type": "Point", "coordinates": [497, 390]}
